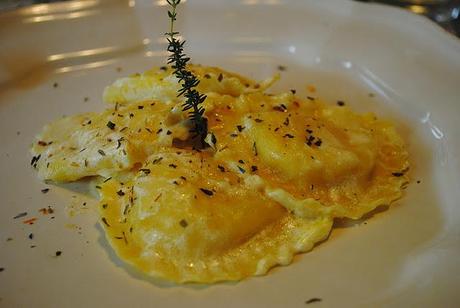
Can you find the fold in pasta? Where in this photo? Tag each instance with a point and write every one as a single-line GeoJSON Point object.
{"type": "Point", "coordinates": [281, 169]}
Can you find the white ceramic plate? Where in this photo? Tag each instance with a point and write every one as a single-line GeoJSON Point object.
{"type": "Point", "coordinates": [373, 57]}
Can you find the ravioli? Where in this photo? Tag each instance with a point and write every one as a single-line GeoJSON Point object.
{"type": "Point", "coordinates": [280, 170]}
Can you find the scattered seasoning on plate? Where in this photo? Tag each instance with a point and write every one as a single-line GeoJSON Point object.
{"type": "Point", "coordinates": [281, 68]}
{"type": "Point", "coordinates": [2, 269]}
{"type": "Point", "coordinates": [101, 152]}
{"type": "Point", "coordinates": [58, 253]}
{"type": "Point", "coordinates": [45, 190]}
{"type": "Point", "coordinates": [20, 215]}
{"type": "Point", "coordinates": [30, 221]}
{"type": "Point", "coordinates": [46, 211]}
{"type": "Point", "coordinates": [86, 99]}
{"type": "Point", "coordinates": [55, 85]}
{"type": "Point", "coordinates": [418, 182]}
{"type": "Point", "coordinates": [220, 77]}
{"type": "Point", "coordinates": [120, 193]}
{"type": "Point", "coordinates": [293, 91]}
{"type": "Point", "coordinates": [31, 236]}
{"type": "Point", "coordinates": [313, 300]}
{"type": "Point", "coordinates": [340, 103]}
{"type": "Point", "coordinates": [397, 174]}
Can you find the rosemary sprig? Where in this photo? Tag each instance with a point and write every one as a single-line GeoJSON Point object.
{"type": "Point", "coordinates": [193, 99]}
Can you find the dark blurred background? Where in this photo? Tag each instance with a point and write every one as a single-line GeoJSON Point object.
{"type": "Point", "coordinates": [446, 13]}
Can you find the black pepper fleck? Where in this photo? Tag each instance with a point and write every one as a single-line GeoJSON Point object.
{"type": "Point", "coordinates": [207, 191]}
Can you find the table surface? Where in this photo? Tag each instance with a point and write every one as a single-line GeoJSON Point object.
{"type": "Point", "coordinates": [452, 26]}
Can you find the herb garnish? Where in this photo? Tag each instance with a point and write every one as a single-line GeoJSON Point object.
{"type": "Point", "coordinates": [313, 300]}
{"type": "Point", "coordinates": [207, 191]}
{"type": "Point", "coordinates": [193, 99]}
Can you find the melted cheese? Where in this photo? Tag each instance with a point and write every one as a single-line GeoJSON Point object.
{"type": "Point", "coordinates": [282, 169]}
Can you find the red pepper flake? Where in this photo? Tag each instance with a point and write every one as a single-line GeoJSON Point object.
{"type": "Point", "coordinates": [29, 221]}
{"type": "Point", "coordinates": [207, 191]}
